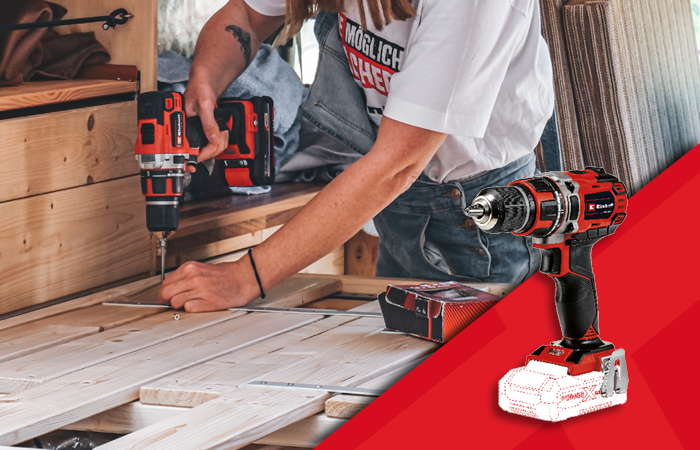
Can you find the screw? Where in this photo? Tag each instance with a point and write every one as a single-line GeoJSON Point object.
{"type": "Point", "coordinates": [176, 316]}
{"type": "Point", "coordinates": [255, 122]}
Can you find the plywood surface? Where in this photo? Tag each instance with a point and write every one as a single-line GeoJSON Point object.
{"type": "Point", "coordinates": [61, 150]}
{"type": "Point", "coordinates": [28, 95]}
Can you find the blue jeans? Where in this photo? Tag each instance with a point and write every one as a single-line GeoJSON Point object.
{"type": "Point", "coordinates": [424, 232]}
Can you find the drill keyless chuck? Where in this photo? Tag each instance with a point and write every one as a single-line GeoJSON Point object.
{"type": "Point", "coordinates": [508, 209]}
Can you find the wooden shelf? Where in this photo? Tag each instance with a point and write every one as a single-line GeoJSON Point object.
{"type": "Point", "coordinates": [38, 93]}
{"type": "Point", "coordinates": [216, 227]}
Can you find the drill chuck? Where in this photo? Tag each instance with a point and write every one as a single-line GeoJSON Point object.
{"type": "Point", "coordinates": [161, 214]}
{"type": "Point", "coordinates": [508, 209]}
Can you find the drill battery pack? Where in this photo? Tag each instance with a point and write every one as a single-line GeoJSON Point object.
{"type": "Point", "coordinates": [249, 158]}
{"type": "Point", "coordinates": [434, 311]}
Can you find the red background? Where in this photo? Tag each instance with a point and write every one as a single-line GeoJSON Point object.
{"type": "Point", "coordinates": [647, 278]}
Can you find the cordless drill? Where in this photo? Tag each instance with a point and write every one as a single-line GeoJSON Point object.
{"type": "Point", "coordinates": [565, 213]}
{"type": "Point", "coordinates": [168, 141]}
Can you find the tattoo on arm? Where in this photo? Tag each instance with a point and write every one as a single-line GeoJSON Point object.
{"type": "Point", "coordinates": [243, 37]}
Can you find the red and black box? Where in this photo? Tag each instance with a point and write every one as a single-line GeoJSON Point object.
{"type": "Point", "coordinates": [434, 311]}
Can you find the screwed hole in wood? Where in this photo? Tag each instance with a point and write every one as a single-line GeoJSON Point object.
{"type": "Point", "coordinates": [91, 122]}
{"type": "Point", "coordinates": [90, 180]}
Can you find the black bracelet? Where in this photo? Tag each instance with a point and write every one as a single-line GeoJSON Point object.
{"type": "Point", "coordinates": [257, 277]}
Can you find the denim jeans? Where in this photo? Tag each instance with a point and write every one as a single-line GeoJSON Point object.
{"type": "Point", "coordinates": [424, 232]}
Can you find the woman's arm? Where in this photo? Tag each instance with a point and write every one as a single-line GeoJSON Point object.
{"type": "Point", "coordinates": [398, 157]}
{"type": "Point", "coordinates": [225, 47]}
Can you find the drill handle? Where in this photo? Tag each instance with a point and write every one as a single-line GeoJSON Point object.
{"type": "Point", "coordinates": [195, 132]}
{"type": "Point", "coordinates": [569, 264]}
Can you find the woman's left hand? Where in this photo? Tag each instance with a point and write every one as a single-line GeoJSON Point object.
{"type": "Point", "coordinates": [198, 287]}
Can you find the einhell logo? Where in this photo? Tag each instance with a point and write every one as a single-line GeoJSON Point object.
{"type": "Point", "coordinates": [598, 206]}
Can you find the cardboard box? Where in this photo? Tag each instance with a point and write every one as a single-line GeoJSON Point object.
{"type": "Point", "coordinates": [435, 311]}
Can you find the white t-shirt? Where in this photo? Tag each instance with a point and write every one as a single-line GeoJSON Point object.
{"type": "Point", "coordinates": [477, 70]}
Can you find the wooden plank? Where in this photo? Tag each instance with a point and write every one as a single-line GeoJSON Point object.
{"type": "Point", "coordinates": [290, 293]}
{"type": "Point", "coordinates": [296, 291]}
{"type": "Point", "coordinates": [37, 93]}
{"type": "Point", "coordinates": [306, 433]}
{"type": "Point", "coordinates": [200, 384]}
{"type": "Point", "coordinates": [58, 244]}
{"type": "Point", "coordinates": [26, 341]}
{"type": "Point", "coordinates": [337, 304]}
{"type": "Point", "coordinates": [361, 253]}
{"type": "Point", "coordinates": [31, 338]}
{"type": "Point", "coordinates": [56, 360]}
{"type": "Point", "coordinates": [140, 291]}
{"type": "Point", "coordinates": [61, 150]}
{"type": "Point", "coordinates": [126, 419]}
{"type": "Point", "coordinates": [345, 406]}
{"type": "Point", "coordinates": [367, 285]}
{"type": "Point", "coordinates": [24, 372]}
{"type": "Point", "coordinates": [260, 411]}
{"type": "Point", "coordinates": [134, 43]}
{"type": "Point", "coordinates": [331, 264]}
{"type": "Point", "coordinates": [104, 386]}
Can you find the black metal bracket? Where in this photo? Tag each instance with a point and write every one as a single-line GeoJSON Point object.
{"type": "Point", "coordinates": [117, 17]}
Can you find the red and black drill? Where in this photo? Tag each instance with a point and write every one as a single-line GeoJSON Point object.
{"type": "Point", "coordinates": [565, 213]}
{"type": "Point", "coordinates": [168, 140]}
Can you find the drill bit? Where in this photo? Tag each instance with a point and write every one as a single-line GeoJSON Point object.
{"type": "Point", "coordinates": [163, 246]}
{"type": "Point", "coordinates": [476, 211]}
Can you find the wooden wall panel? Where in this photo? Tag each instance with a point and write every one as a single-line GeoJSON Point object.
{"type": "Point", "coordinates": [135, 43]}
{"type": "Point", "coordinates": [61, 150]}
{"type": "Point", "coordinates": [61, 243]}
{"type": "Point", "coordinates": [361, 253]}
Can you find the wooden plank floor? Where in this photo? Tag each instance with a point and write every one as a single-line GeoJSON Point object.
{"type": "Point", "coordinates": [182, 384]}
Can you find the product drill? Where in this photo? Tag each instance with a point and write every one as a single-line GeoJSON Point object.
{"type": "Point", "coordinates": [565, 213]}
{"type": "Point", "coordinates": [168, 141]}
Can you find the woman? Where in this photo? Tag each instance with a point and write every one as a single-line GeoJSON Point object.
{"type": "Point", "coordinates": [442, 97]}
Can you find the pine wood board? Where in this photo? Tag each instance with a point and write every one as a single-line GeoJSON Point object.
{"type": "Point", "coordinates": [66, 149]}
{"type": "Point", "coordinates": [38, 93]}
{"type": "Point", "coordinates": [344, 406]}
{"type": "Point", "coordinates": [27, 341]}
{"type": "Point", "coordinates": [205, 382]}
{"type": "Point", "coordinates": [58, 358]}
{"type": "Point", "coordinates": [125, 419]}
{"type": "Point", "coordinates": [376, 285]}
{"type": "Point", "coordinates": [248, 413]}
{"type": "Point", "coordinates": [104, 386]}
{"type": "Point", "coordinates": [134, 43]}
{"type": "Point", "coordinates": [49, 332]}
{"type": "Point", "coordinates": [361, 253]}
{"type": "Point", "coordinates": [57, 244]}
{"type": "Point", "coordinates": [34, 337]}
{"type": "Point", "coordinates": [145, 290]}
{"type": "Point", "coordinates": [297, 291]}
{"type": "Point", "coordinates": [306, 433]}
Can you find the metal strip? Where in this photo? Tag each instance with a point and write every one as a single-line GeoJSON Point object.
{"type": "Point", "coordinates": [323, 312]}
{"type": "Point", "coordinates": [319, 387]}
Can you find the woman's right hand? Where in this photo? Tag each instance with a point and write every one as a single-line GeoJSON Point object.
{"type": "Point", "coordinates": [200, 100]}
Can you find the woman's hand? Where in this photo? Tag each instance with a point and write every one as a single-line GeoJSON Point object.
{"type": "Point", "coordinates": [197, 287]}
{"type": "Point", "coordinates": [200, 100]}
